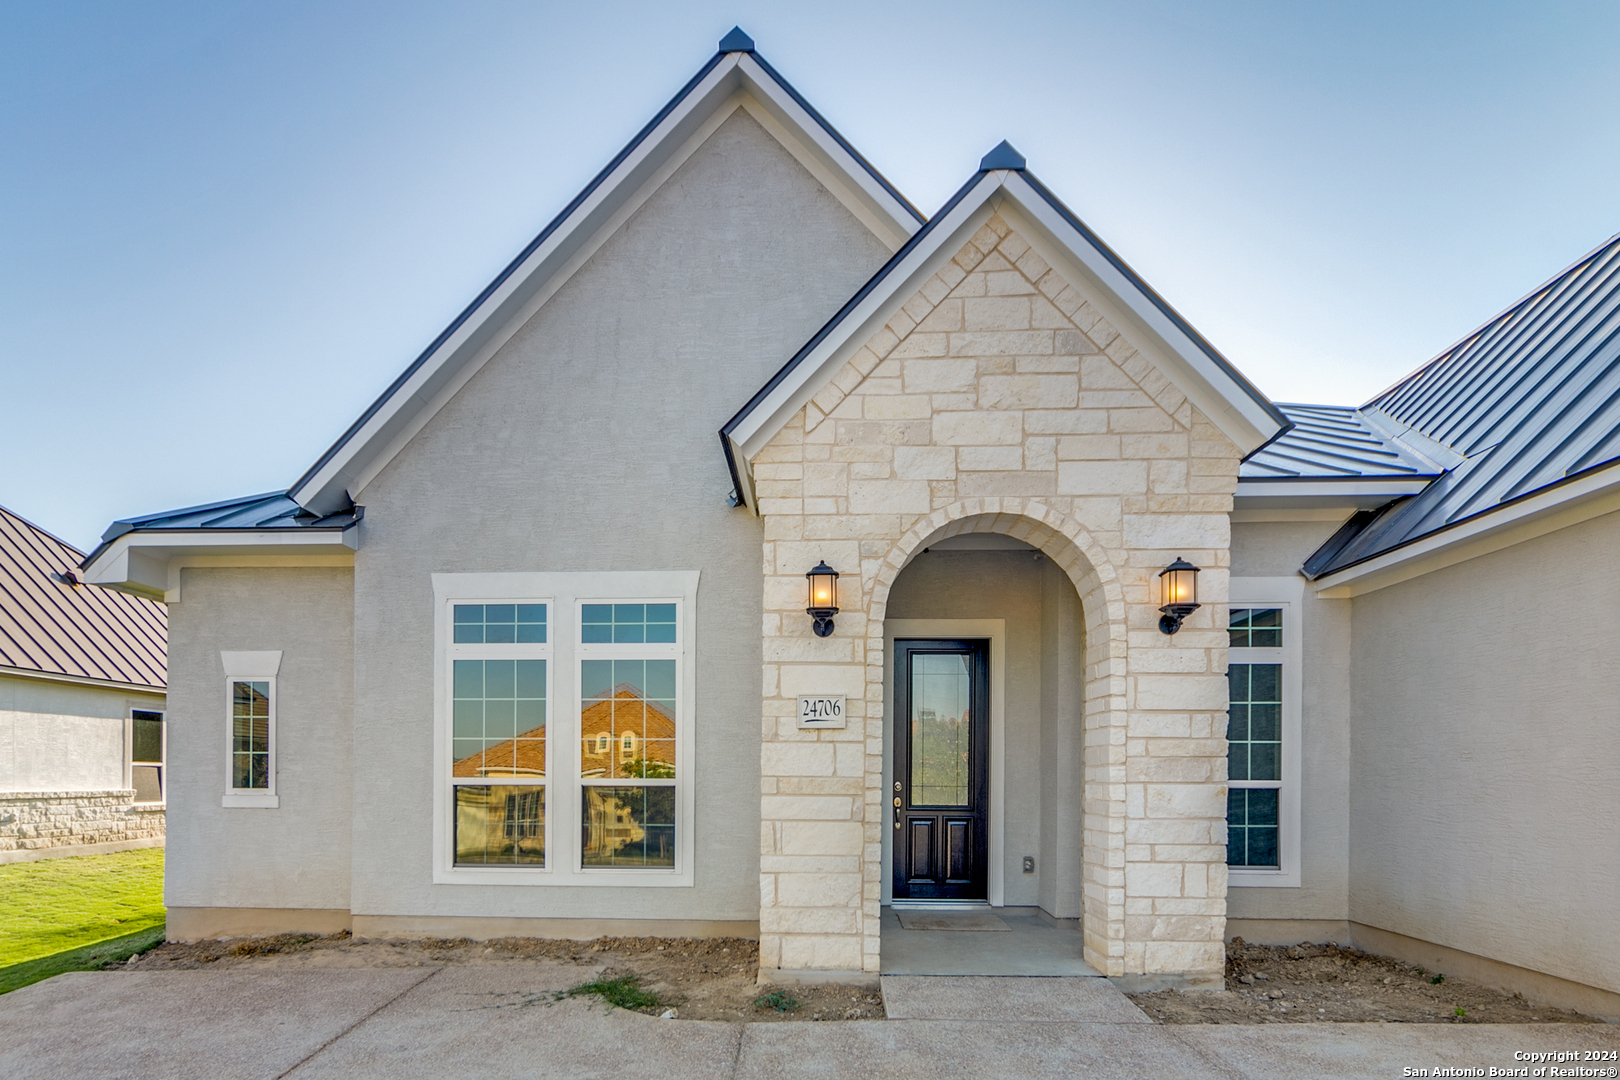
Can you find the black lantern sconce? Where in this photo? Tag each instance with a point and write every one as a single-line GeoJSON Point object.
{"type": "Point", "coordinates": [1179, 590]}
{"type": "Point", "coordinates": [823, 603]}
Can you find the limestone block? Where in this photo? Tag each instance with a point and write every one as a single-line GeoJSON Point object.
{"type": "Point", "coordinates": [1028, 392]}
{"type": "Point", "coordinates": [817, 890]}
{"type": "Point", "coordinates": [847, 679]}
{"type": "Point", "coordinates": [781, 759]}
{"type": "Point", "coordinates": [925, 462]}
{"type": "Point", "coordinates": [985, 428]}
{"type": "Point", "coordinates": [1101, 477]}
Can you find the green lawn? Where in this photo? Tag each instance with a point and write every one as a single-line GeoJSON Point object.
{"type": "Point", "coordinates": [77, 906]}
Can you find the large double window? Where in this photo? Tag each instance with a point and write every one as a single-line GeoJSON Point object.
{"type": "Point", "coordinates": [565, 717]}
{"type": "Point", "coordinates": [1263, 734]}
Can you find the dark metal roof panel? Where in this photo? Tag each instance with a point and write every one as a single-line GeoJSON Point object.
{"type": "Point", "coordinates": [1332, 442]}
{"type": "Point", "coordinates": [1530, 400]}
{"type": "Point", "coordinates": [79, 631]}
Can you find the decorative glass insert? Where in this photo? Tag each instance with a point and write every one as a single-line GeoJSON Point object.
{"type": "Point", "coordinates": [500, 825]}
{"type": "Point", "coordinates": [250, 735]}
{"type": "Point", "coordinates": [1256, 628]}
{"type": "Point", "coordinates": [627, 718]}
{"type": "Point", "coordinates": [1254, 722]}
{"type": "Point", "coordinates": [627, 623]}
{"type": "Point", "coordinates": [1251, 827]}
{"type": "Point", "coordinates": [500, 624]}
{"type": "Point", "coordinates": [941, 729]}
{"type": "Point", "coordinates": [499, 718]}
{"type": "Point", "coordinates": [628, 826]}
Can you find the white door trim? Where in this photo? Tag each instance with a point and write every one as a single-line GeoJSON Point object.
{"type": "Point", "coordinates": [996, 631]}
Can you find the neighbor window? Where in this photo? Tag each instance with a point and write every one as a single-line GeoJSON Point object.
{"type": "Point", "coordinates": [627, 680]}
{"type": "Point", "coordinates": [1262, 740]}
{"type": "Point", "coordinates": [146, 755]}
{"type": "Point", "coordinates": [498, 690]}
{"type": "Point", "coordinates": [595, 792]}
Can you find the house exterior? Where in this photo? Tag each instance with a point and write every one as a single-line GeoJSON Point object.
{"type": "Point", "coordinates": [82, 692]}
{"type": "Point", "coordinates": [526, 652]}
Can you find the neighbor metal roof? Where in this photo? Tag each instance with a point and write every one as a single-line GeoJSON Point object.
{"type": "Point", "coordinates": [57, 628]}
{"type": "Point", "coordinates": [1526, 402]}
{"type": "Point", "coordinates": [1332, 442]}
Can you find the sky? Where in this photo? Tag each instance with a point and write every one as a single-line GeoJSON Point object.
{"type": "Point", "coordinates": [225, 227]}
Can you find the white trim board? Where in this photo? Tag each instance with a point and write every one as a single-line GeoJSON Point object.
{"type": "Point", "coordinates": [738, 80]}
{"type": "Point", "coordinates": [148, 564]}
{"type": "Point", "coordinates": [1287, 593]}
{"type": "Point", "coordinates": [951, 629]}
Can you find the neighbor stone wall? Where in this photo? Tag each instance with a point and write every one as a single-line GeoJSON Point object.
{"type": "Point", "coordinates": [998, 399]}
{"type": "Point", "coordinates": [36, 820]}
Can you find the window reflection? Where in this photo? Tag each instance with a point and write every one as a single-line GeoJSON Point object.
{"type": "Point", "coordinates": [500, 826]}
{"type": "Point", "coordinates": [941, 729]}
{"type": "Point", "coordinates": [629, 826]}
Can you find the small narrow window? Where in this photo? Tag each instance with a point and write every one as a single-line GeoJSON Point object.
{"type": "Point", "coordinates": [146, 755]}
{"type": "Point", "coordinates": [250, 735]}
{"type": "Point", "coordinates": [1263, 734]}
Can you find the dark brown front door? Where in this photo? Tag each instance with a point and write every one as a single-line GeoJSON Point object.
{"type": "Point", "coordinates": [941, 785]}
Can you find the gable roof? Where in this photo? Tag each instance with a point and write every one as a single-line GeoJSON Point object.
{"type": "Point", "coordinates": [1003, 183]}
{"type": "Point", "coordinates": [53, 627]}
{"type": "Point", "coordinates": [551, 257]}
{"type": "Point", "coordinates": [1526, 407]}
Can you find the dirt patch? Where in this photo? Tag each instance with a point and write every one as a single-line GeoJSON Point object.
{"type": "Point", "coordinates": [1302, 984]}
{"type": "Point", "coordinates": [699, 978]}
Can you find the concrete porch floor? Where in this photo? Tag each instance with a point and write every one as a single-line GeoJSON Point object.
{"type": "Point", "coordinates": [1031, 945]}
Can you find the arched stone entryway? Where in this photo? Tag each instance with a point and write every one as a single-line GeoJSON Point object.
{"type": "Point", "coordinates": [1071, 547]}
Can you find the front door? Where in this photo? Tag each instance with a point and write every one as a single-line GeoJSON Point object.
{"type": "Point", "coordinates": [941, 782]}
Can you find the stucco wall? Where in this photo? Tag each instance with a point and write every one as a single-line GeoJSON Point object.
{"type": "Point", "coordinates": [296, 856]}
{"type": "Point", "coordinates": [1018, 587]}
{"type": "Point", "coordinates": [1278, 549]}
{"type": "Point", "coordinates": [588, 443]}
{"type": "Point", "coordinates": [64, 737]}
{"type": "Point", "coordinates": [1484, 808]}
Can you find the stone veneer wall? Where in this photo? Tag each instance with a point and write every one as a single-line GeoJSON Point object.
{"type": "Point", "coordinates": [36, 820]}
{"type": "Point", "coordinates": [998, 399]}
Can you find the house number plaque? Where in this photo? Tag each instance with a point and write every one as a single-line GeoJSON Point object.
{"type": "Point", "coordinates": [821, 712]}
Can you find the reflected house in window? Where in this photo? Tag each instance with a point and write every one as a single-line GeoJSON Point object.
{"type": "Point", "coordinates": [627, 736]}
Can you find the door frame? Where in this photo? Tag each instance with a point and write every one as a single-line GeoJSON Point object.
{"type": "Point", "coordinates": [995, 631]}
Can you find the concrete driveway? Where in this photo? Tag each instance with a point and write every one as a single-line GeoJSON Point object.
{"type": "Point", "coordinates": [498, 1021]}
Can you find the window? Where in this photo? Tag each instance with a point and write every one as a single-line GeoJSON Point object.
{"type": "Point", "coordinates": [250, 704]}
{"type": "Point", "coordinates": [1263, 733]}
{"type": "Point", "coordinates": [590, 794]}
{"type": "Point", "coordinates": [146, 755]}
{"type": "Point", "coordinates": [627, 685]}
{"type": "Point", "coordinates": [498, 691]}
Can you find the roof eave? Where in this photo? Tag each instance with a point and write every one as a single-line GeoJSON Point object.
{"type": "Point", "coordinates": [147, 562]}
{"type": "Point", "coordinates": [1349, 493]}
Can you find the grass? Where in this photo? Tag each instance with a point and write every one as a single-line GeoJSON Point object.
{"type": "Point", "coordinates": [780, 1000]}
{"type": "Point", "coordinates": [624, 992]}
{"type": "Point", "coordinates": [77, 913]}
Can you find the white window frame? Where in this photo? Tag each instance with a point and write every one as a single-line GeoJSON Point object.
{"type": "Point", "coordinates": [129, 753]}
{"type": "Point", "coordinates": [1287, 594]}
{"type": "Point", "coordinates": [565, 593]}
{"type": "Point", "coordinates": [500, 651]}
{"type": "Point", "coordinates": [250, 667]}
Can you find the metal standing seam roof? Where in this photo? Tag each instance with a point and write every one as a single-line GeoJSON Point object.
{"type": "Point", "coordinates": [1333, 442]}
{"type": "Point", "coordinates": [272, 510]}
{"type": "Point", "coordinates": [77, 631]}
{"type": "Point", "coordinates": [1529, 400]}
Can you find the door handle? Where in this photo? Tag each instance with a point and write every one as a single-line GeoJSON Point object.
{"type": "Point", "coordinates": [897, 811]}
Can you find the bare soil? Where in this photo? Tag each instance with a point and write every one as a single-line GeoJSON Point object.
{"type": "Point", "coordinates": [699, 978]}
{"type": "Point", "coordinates": [1306, 983]}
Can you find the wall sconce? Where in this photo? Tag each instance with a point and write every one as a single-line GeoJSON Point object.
{"type": "Point", "coordinates": [1179, 589]}
{"type": "Point", "coordinates": [823, 603]}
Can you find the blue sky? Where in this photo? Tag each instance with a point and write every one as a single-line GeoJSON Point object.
{"type": "Point", "coordinates": [225, 227]}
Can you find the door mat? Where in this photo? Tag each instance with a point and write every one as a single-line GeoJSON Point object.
{"type": "Point", "coordinates": [979, 921]}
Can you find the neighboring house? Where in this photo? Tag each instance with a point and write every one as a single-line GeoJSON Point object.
{"type": "Point", "coordinates": [526, 652]}
{"type": "Point", "coordinates": [82, 766]}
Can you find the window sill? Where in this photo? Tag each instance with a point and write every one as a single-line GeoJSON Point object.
{"type": "Point", "coordinates": [251, 802]}
{"type": "Point", "coordinates": [1262, 879]}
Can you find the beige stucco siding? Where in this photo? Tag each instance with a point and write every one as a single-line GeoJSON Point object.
{"type": "Point", "coordinates": [588, 443]}
{"type": "Point", "coordinates": [1277, 550]}
{"type": "Point", "coordinates": [57, 736]}
{"type": "Point", "coordinates": [295, 856]}
{"type": "Point", "coordinates": [1484, 807]}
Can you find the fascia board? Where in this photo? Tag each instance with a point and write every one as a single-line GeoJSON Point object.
{"type": "Point", "coordinates": [83, 680]}
{"type": "Point", "coordinates": [1362, 494]}
{"type": "Point", "coordinates": [1570, 503]}
{"type": "Point", "coordinates": [1221, 398]}
{"type": "Point", "coordinates": [761, 424]}
{"type": "Point", "coordinates": [891, 218]}
{"type": "Point", "coordinates": [327, 488]}
{"type": "Point", "coordinates": [146, 563]}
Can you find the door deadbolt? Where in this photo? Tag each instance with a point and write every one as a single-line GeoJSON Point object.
{"type": "Point", "coordinates": [897, 800]}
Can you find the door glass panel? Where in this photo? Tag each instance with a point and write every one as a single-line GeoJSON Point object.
{"type": "Point", "coordinates": [940, 729]}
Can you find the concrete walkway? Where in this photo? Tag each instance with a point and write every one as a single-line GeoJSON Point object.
{"type": "Point", "coordinates": [1023, 944]}
{"type": "Point", "coordinates": [499, 1020]}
